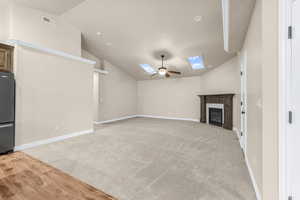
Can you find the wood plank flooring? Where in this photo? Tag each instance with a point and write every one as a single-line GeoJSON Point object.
{"type": "Point", "coordinates": [25, 178]}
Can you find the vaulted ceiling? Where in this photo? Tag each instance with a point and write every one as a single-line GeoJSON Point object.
{"type": "Point", "coordinates": [133, 32]}
{"type": "Point", "coordinates": [52, 6]}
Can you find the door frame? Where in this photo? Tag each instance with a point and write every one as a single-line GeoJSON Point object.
{"type": "Point", "coordinates": [284, 74]}
{"type": "Point", "coordinates": [243, 68]}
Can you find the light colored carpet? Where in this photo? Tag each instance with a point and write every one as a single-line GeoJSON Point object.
{"type": "Point", "coordinates": [153, 159]}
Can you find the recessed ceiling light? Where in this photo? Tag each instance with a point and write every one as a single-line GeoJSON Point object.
{"type": "Point", "coordinates": [198, 18]}
{"type": "Point", "coordinates": [99, 33]}
{"type": "Point", "coordinates": [108, 44]}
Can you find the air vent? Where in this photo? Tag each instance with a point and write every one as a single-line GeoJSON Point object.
{"type": "Point", "coordinates": [48, 20]}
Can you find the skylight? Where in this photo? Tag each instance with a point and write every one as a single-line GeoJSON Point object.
{"type": "Point", "coordinates": [196, 62]}
{"type": "Point", "coordinates": [148, 68]}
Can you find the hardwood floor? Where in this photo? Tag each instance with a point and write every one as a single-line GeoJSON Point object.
{"type": "Point", "coordinates": [25, 178]}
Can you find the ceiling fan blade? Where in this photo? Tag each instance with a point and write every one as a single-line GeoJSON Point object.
{"type": "Point", "coordinates": [154, 74]}
{"type": "Point", "coordinates": [167, 75]}
{"type": "Point", "coordinates": [174, 72]}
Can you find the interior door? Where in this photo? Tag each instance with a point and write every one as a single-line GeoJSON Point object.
{"type": "Point", "coordinates": [293, 136]}
{"type": "Point", "coordinates": [243, 132]}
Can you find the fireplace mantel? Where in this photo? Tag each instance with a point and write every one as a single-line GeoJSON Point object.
{"type": "Point", "coordinates": [226, 99]}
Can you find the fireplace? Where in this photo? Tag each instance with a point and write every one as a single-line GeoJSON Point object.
{"type": "Point", "coordinates": [215, 116]}
{"type": "Point", "coordinates": [217, 109]}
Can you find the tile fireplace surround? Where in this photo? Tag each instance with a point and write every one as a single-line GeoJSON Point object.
{"type": "Point", "coordinates": [218, 99]}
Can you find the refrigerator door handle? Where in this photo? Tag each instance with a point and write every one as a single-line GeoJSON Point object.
{"type": "Point", "coordinates": [6, 125]}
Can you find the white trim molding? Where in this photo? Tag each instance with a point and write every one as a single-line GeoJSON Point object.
{"type": "Point", "coordinates": [100, 71]}
{"type": "Point", "coordinates": [238, 135]}
{"type": "Point", "coordinates": [170, 118]}
{"type": "Point", "coordinates": [236, 130]}
{"type": "Point", "coordinates": [145, 116]}
{"type": "Point", "coordinates": [257, 192]}
{"type": "Point", "coordinates": [115, 120]}
{"type": "Point", "coordinates": [52, 140]}
{"type": "Point", "coordinates": [7, 43]}
{"type": "Point", "coordinates": [50, 51]}
{"type": "Point", "coordinates": [284, 94]}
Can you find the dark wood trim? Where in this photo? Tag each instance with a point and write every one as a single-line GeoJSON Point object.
{"type": "Point", "coordinates": [6, 58]}
{"type": "Point", "coordinates": [226, 99]}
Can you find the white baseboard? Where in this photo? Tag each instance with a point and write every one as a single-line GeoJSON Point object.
{"type": "Point", "coordinates": [170, 118]}
{"type": "Point", "coordinates": [116, 119]}
{"type": "Point", "coordinates": [257, 192]}
{"type": "Point", "coordinates": [145, 116]}
{"type": "Point", "coordinates": [51, 140]}
{"type": "Point", "coordinates": [236, 130]}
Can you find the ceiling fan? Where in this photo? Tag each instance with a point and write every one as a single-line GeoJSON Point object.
{"type": "Point", "coordinates": [163, 71]}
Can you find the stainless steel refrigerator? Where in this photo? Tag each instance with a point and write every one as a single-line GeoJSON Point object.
{"type": "Point", "coordinates": [7, 112]}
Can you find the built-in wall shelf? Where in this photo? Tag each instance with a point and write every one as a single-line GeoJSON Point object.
{"type": "Point", "coordinates": [50, 51]}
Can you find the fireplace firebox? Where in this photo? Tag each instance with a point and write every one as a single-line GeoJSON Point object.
{"type": "Point", "coordinates": [216, 116]}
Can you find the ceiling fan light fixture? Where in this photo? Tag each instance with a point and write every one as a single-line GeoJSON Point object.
{"type": "Point", "coordinates": [162, 71]}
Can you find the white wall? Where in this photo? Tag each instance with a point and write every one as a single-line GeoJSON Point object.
{"type": "Point", "coordinates": [96, 81]}
{"type": "Point", "coordinates": [53, 96]}
{"type": "Point", "coordinates": [27, 25]}
{"type": "Point", "coordinates": [4, 20]}
{"type": "Point", "coordinates": [270, 88]}
{"type": "Point", "coordinates": [115, 94]}
{"type": "Point", "coordinates": [178, 97]}
{"type": "Point", "coordinates": [253, 49]}
{"type": "Point", "coordinates": [170, 97]}
{"type": "Point", "coordinates": [118, 94]}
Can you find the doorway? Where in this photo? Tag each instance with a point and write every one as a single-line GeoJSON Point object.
{"type": "Point", "coordinates": [243, 107]}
